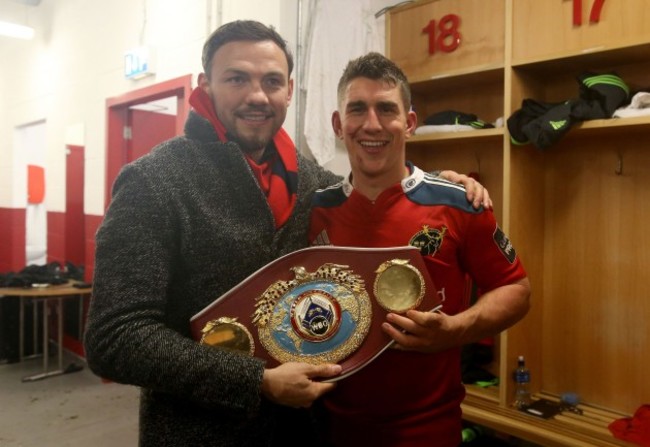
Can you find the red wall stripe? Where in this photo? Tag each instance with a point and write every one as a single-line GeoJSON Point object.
{"type": "Point", "coordinates": [12, 239]}
{"type": "Point", "coordinates": [56, 237]}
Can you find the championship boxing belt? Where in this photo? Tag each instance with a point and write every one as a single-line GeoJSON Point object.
{"type": "Point", "coordinates": [319, 304]}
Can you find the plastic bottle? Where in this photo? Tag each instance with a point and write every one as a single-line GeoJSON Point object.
{"type": "Point", "coordinates": [522, 381]}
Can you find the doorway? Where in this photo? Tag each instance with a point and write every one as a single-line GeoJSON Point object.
{"type": "Point", "coordinates": [142, 118]}
{"type": "Point", "coordinates": [30, 144]}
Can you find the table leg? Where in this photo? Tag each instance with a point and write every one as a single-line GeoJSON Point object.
{"type": "Point", "coordinates": [34, 328]}
{"type": "Point", "coordinates": [59, 309]}
{"type": "Point", "coordinates": [21, 328]}
{"type": "Point", "coordinates": [46, 339]}
{"type": "Point", "coordinates": [81, 318]}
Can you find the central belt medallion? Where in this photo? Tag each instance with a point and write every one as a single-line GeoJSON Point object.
{"type": "Point", "coordinates": [318, 317]}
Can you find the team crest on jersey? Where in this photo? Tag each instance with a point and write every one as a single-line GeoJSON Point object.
{"type": "Point", "coordinates": [504, 245]}
{"type": "Point", "coordinates": [428, 240]}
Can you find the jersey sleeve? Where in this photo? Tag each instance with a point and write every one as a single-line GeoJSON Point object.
{"type": "Point", "coordinates": [488, 255]}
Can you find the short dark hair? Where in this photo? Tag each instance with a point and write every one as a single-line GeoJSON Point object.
{"type": "Point", "coordinates": [239, 30]}
{"type": "Point", "coordinates": [378, 67]}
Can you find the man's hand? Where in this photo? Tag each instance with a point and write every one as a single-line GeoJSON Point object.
{"type": "Point", "coordinates": [495, 311]}
{"type": "Point", "coordinates": [476, 193]}
{"type": "Point", "coordinates": [421, 331]}
{"type": "Point", "coordinates": [291, 383]}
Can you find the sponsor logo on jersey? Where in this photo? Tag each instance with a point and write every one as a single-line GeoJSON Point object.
{"type": "Point", "coordinates": [428, 240]}
{"type": "Point", "coordinates": [321, 239]}
{"type": "Point", "coordinates": [504, 245]}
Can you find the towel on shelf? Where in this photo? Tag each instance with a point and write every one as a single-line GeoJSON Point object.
{"type": "Point", "coordinates": [635, 429]}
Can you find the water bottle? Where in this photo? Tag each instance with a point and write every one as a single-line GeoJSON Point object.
{"type": "Point", "coordinates": [522, 381]}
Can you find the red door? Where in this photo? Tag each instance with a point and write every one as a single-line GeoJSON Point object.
{"type": "Point", "coordinates": [147, 130]}
{"type": "Point", "coordinates": [121, 128]}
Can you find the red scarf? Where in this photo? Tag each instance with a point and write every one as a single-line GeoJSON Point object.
{"type": "Point", "coordinates": [276, 174]}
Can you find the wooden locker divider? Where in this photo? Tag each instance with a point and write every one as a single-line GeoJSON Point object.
{"type": "Point", "coordinates": [576, 211]}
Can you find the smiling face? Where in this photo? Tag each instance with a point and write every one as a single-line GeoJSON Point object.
{"type": "Point", "coordinates": [374, 125]}
{"type": "Point", "coordinates": [250, 87]}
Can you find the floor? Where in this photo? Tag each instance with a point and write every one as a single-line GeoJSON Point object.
{"type": "Point", "coordinates": [71, 410]}
{"type": "Point", "coordinates": [78, 409]}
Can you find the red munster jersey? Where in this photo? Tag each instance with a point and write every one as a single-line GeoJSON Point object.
{"type": "Point", "coordinates": [407, 398]}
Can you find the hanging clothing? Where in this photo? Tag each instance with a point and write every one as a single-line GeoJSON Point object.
{"type": "Point", "coordinates": [336, 38]}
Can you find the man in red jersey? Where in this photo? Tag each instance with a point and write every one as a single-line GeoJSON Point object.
{"type": "Point", "coordinates": [410, 396]}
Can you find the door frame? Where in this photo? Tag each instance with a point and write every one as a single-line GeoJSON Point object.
{"type": "Point", "coordinates": [75, 224]}
{"type": "Point", "coordinates": [117, 109]}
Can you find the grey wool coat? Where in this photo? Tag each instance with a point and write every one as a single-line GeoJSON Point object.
{"type": "Point", "coordinates": [187, 223]}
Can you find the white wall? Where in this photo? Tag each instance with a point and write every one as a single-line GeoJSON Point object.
{"type": "Point", "coordinates": [75, 63]}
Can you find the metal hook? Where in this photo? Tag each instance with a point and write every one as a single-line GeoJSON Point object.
{"type": "Point", "coordinates": [476, 175]}
{"type": "Point", "coordinates": [383, 11]}
{"type": "Point", "coordinates": [619, 164]}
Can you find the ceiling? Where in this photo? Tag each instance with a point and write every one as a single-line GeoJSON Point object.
{"type": "Point", "coordinates": [28, 2]}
